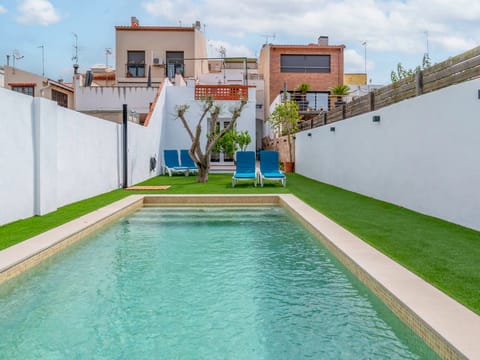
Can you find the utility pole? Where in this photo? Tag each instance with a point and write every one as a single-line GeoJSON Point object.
{"type": "Point", "coordinates": [428, 50]}
{"type": "Point", "coordinates": [108, 51]}
{"type": "Point", "coordinates": [43, 59]}
{"type": "Point", "coordinates": [365, 57]}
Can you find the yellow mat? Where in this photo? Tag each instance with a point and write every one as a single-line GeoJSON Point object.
{"type": "Point", "coordinates": [158, 187]}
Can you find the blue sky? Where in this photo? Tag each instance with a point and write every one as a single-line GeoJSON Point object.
{"type": "Point", "coordinates": [394, 31]}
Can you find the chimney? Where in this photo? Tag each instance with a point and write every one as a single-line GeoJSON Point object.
{"type": "Point", "coordinates": [323, 40]}
{"type": "Point", "coordinates": [134, 21]}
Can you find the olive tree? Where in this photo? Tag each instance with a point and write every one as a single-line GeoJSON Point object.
{"type": "Point", "coordinates": [210, 113]}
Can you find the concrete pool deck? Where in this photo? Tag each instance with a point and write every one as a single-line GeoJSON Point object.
{"type": "Point", "coordinates": [448, 327]}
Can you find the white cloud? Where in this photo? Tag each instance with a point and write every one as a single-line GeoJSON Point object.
{"type": "Point", "coordinates": [37, 12]}
{"type": "Point", "coordinates": [395, 30]}
{"type": "Point", "coordinates": [354, 62]}
{"type": "Point", "coordinates": [2, 10]}
{"type": "Point", "coordinates": [396, 25]}
{"type": "Point", "coordinates": [231, 50]}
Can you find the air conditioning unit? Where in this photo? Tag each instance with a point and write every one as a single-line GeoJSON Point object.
{"type": "Point", "coordinates": [157, 61]}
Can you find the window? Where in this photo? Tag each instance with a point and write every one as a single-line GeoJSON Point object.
{"type": "Point", "coordinates": [60, 98]}
{"type": "Point", "coordinates": [305, 63]}
{"type": "Point", "coordinates": [27, 90]}
{"type": "Point", "coordinates": [175, 64]}
{"type": "Point", "coordinates": [314, 100]}
{"type": "Point", "coordinates": [135, 63]}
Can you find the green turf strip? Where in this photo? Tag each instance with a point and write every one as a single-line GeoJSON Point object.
{"type": "Point", "coordinates": [444, 254]}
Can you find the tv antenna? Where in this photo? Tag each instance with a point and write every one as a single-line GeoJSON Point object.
{"type": "Point", "coordinates": [75, 47]}
{"type": "Point", "coordinates": [222, 51]}
{"type": "Point", "coordinates": [108, 51]}
{"type": "Point", "coordinates": [268, 36]}
{"type": "Point", "coordinates": [16, 56]}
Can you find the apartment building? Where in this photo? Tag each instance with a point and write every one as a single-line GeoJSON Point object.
{"type": "Point", "coordinates": [145, 55]}
{"type": "Point", "coordinates": [284, 67]}
{"type": "Point", "coordinates": [35, 85]}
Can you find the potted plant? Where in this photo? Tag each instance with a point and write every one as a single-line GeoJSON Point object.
{"type": "Point", "coordinates": [243, 140]}
{"type": "Point", "coordinates": [301, 98]}
{"type": "Point", "coordinates": [227, 144]}
{"type": "Point", "coordinates": [284, 120]}
{"type": "Point", "coordinates": [231, 141]}
{"type": "Point", "coordinates": [340, 91]}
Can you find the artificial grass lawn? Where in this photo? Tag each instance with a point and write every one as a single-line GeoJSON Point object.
{"type": "Point", "coordinates": [444, 254]}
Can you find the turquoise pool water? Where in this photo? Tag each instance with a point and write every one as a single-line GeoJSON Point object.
{"type": "Point", "coordinates": [203, 283]}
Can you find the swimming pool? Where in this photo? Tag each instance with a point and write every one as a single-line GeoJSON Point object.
{"type": "Point", "coordinates": [210, 282]}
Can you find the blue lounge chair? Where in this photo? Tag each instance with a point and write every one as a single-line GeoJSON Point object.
{"type": "Point", "coordinates": [187, 161]}
{"type": "Point", "coordinates": [171, 163]}
{"type": "Point", "coordinates": [269, 167]}
{"type": "Point", "coordinates": [245, 169]}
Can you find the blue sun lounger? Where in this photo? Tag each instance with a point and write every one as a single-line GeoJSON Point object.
{"type": "Point", "coordinates": [187, 162]}
{"type": "Point", "coordinates": [269, 167]}
{"type": "Point", "coordinates": [245, 168]}
{"type": "Point", "coordinates": [171, 163]}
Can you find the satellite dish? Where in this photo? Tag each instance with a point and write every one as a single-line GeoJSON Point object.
{"type": "Point", "coordinates": [16, 54]}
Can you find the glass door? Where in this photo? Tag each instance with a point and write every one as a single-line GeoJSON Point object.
{"type": "Point", "coordinates": [175, 64]}
{"type": "Point", "coordinates": [221, 157]}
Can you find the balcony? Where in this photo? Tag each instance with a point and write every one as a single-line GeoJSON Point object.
{"type": "Point", "coordinates": [221, 92]}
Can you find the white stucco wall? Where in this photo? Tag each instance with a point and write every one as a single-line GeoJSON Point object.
{"type": "Point", "coordinates": [422, 155]}
{"type": "Point", "coordinates": [144, 142]}
{"type": "Point", "coordinates": [51, 156]}
{"type": "Point", "coordinates": [16, 156]}
{"type": "Point", "coordinates": [109, 98]}
{"type": "Point", "coordinates": [175, 136]}
{"type": "Point", "coordinates": [88, 156]}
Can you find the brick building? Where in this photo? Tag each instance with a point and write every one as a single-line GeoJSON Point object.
{"type": "Point", "coordinates": [321, 65]}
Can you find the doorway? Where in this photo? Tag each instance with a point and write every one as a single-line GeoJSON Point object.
{"type": "Point", "coordinates": [221, 158]}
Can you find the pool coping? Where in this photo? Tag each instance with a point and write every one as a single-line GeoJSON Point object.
{"type": "Point", "coordinates": [445, 325]}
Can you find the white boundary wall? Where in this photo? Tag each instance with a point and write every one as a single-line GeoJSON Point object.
{"type": "Point", "coordinates": [423, 154]}
{"type": "Point", "coordinates": [51, 156]}
{"type": "Point", "coordinates": [16, 156]}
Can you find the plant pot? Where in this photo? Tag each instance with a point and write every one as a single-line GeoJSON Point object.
{"type": "Point", "coordinates": [288, 167]}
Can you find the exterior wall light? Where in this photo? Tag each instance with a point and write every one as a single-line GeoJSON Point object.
{"type": "Point", "coordinates": [376, 118]}
{"type": "Point", "coordinates": [332, 128]}
{"type": "Point", "coordinates": [309, 134]}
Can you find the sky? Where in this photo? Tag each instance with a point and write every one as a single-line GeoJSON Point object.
{"type": "Point", "coordinates": [377, 34]}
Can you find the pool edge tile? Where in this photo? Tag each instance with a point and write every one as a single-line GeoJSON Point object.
{"type": "Point", "coordinates": [445, 325]}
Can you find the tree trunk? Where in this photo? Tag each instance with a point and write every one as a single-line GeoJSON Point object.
{"type": "Point", "coordinates": [203, 170]}
{"type": "Point", "coordinates": [289, 142]}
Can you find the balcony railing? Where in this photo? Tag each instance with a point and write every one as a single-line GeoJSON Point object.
{"type": "Point", "coordinates": [221, 92]}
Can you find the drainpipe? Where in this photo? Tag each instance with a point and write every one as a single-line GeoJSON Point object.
{"type": "Point", "coordinates": [125, 146]}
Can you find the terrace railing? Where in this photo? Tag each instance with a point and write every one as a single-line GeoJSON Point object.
{"type": "Point", "coordinates": [221, 92]}
{"type": "Point", "coordinates": [455, 70]}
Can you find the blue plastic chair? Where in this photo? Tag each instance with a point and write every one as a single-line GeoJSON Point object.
{"type": "Point", "coordinates": [269, 167]}
{"type": "Point", "coordinates": [187, 161]}
{"type": "Point", "coordinates": [171, 163]}
{"type": "Point", "coordinates": [245, 167]}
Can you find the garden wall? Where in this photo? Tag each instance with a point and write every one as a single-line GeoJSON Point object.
{"type": "Point", "coordinates": [422, 154]}
{"type": "Point", "coordinates": [51, 156]}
